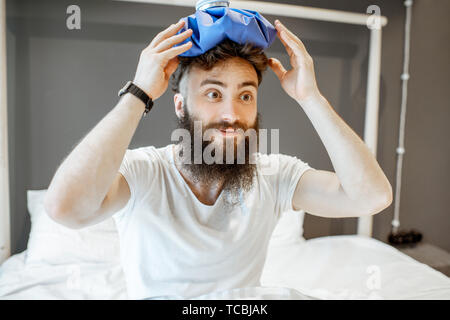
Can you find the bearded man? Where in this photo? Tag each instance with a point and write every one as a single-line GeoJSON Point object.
{"type": "Point", "coordinates": [187, 225]}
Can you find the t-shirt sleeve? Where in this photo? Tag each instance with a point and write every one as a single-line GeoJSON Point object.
{"type": "Point", "coordinates": [134, 168]}
{"type": "Point", "coordinates": [291, 170]}
{"type": "Point", "coordinates": [286, 172]}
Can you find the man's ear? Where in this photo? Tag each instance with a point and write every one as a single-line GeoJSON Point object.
{"type": "Point", "coordinates": [178, 101]}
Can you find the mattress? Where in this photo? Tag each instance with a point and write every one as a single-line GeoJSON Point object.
{"type": "Point", "coordinates": [83, 281]}
{"type": "Point", "coordinates": [335, 267]}
{"type": "Point", "coordinates": [351, 267]}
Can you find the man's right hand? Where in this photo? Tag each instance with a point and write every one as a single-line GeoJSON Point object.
{"type": "Point", "coordinates": [159, 60]}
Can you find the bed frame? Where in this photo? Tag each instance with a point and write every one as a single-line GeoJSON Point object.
{"type": "Point", "coordinates": [374, 22]}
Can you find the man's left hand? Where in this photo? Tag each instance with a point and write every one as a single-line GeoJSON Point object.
{"type": "Point", "coordinates": [300, 81]}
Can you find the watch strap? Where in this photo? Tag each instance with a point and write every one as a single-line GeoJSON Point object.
{"type": "Point", "coordinates": [139, 93]}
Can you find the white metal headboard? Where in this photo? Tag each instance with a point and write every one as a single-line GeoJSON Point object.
{"type": "Point", "coordinates": [276, 9]}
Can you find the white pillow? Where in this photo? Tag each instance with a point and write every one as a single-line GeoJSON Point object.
{"type": "Point", "coordinates": [289, 227]}
{"type": "Point", "coordinates": [53, 243]}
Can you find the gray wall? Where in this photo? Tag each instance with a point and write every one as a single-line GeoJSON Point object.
{"type": "Point", "coordinates": [62, 82]}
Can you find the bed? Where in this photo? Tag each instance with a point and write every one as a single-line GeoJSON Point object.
{"type": "Point", "coordinates": [372, 20]}
{"type": "Point", "coordinates": [61, 263]}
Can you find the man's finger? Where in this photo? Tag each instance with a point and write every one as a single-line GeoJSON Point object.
{"type": "Point", "coordinates": [170, 42]}
{"type": "Point", "coordinates": [282, 27]}
{"type": "Point", "coordinates": [277, 67]}
{"type": "Point", "coordinates": [168, 32]}
{"type": "Point", "coordinates": [171, 67]}
{"type": "Point", "coordinates": [175, 51]}
{"type": "Point", "coordinates": [288, 49]}
{"type": "Point", "coordinates": [299, 57]}
{"type": "Point", "coordinates": [292, 44]}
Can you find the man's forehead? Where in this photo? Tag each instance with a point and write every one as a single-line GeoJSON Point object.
{"type": "Point", "coordinates": [226, 72]}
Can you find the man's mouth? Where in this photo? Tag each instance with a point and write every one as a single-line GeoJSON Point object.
{"type": "Point", "coordinates": [228, 131]}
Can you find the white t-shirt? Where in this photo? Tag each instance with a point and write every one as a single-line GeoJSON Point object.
{"type": "Point", "coordinates": [174, 245]}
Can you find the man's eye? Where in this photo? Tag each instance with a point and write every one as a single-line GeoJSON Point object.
{"type": "Point", "coordinates": [246, 97]}
{"type": "Point", "coordinates": [213, 95]}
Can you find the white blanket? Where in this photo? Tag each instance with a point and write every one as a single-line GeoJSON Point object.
{"type": "Point", "coordinates": [351, 267]}
{"type": "Point", "coordinates": [337, 267]}
{"type": "Point", "coordinates": [67, 281]}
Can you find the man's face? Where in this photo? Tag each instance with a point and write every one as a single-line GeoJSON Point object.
{"type": "Point", "coordinates": [223, 99]}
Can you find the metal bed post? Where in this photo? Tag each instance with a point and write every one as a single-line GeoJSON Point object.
{"type": "Point", "coordinates": [5, 241]}
{"type": "Point", "coordinates": [371, 118]}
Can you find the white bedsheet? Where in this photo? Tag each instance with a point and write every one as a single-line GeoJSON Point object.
{"type": "Point", "coordinates": [337, 267]}
{"type": "Point", "coordinates": [68, 281]}
{"type": "Point", "coordinates": [351, 267]}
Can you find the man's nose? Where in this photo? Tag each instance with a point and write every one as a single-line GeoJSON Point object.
{"type": "Point", "coordinates": [230, 112]}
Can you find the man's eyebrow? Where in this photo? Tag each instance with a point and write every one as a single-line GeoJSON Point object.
{"type": "Point", "coordinates": [220, 83]}
{"type": "Point", "coordinates": [248, 83]}
{"type": "Point", "coordinates": [211, 81]}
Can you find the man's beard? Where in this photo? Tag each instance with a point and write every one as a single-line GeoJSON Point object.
{"type": "Point", "coordinates": [237, 177]}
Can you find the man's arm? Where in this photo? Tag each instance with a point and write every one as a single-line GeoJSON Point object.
{"type": "Point", "coordinates": [83, 180]}
{"type": "Point", "coordinates": [87, 187]}
{"type": "Point", "coordinates": [359, 186]}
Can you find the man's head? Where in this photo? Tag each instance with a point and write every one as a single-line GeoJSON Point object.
{"type": "Point", "coordinates": [215, 86]}
{"type": "Point", "coordinates": [219, 88]}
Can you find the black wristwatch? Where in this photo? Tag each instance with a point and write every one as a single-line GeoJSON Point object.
{"type": "Point", "coordinates": [136, 91]}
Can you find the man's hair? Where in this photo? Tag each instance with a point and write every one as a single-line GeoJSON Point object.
{"type": "Point", "coordinates": [225, 50]}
